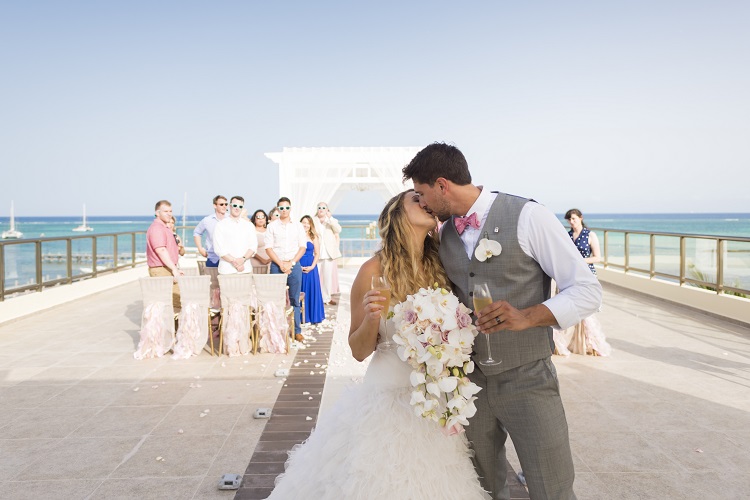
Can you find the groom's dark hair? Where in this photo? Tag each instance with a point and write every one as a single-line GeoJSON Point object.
{"type": "Point", "coordinates": [438, 160]}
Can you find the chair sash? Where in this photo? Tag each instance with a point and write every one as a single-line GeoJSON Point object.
{"type": "Point", "coordinates": [237, 330]}
{"type": "Point", "coordinates": [156, 335]}
{"type": "Point", "coordinates": [190, 338]}
{"type": "Point", "coordinates": [273, 329]}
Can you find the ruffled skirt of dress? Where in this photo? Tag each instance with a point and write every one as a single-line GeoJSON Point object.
{"type": "Point", "coordinates": [372, 446]}
{"type": "Point", "coordinates": [586, 337]}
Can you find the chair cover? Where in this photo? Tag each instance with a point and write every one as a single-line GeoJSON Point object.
{"type": "Point", "coordinates": [237, 297]}
{"type": "Point", "coordinates": [192, 333]}
{"type": "Point", "coordinates": [215, 291]}
{"type": "Point", "coordinates": [157, 320]}
{"type": "Point", "coordinates": [271, 292]}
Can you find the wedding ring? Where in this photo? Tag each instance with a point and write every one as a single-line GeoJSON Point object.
{"type": "Point", "coordinates": [497, 320]}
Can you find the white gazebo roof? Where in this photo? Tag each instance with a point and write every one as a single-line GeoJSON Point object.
{"type": "Point", "coordinates": [311, 175]}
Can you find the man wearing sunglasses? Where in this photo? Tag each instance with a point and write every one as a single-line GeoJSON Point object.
{"type": "Point", "coordinates": [207, 226]}
{"type": "Point", "coordinates": [235, 240]}
{"type": "Point", "coordinates": [329, 229]}
{"type": "Point", "coordinates": [285, 245]}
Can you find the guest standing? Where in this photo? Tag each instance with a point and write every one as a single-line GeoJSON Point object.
{"type": "Point", "coordinates": [328, 229]}
{"type": "Point", "coordinates": [314, 309]}
{"type": "Point", "coordinates": [207, 226]}
{"type": "Point", "coordinates": [260, 221]}
{"type": "Point", "coordinates": [273, 214]}
{"type": "Point", "coordinates": [285, 244]}
{"type": "Point", "coordinates": [235, 241]}
{"type": "Point", "coordinates": [181, 248]}
{"type": "Point", "coordinates": [162, 252]}
{"type": "Point", "coordinates": [587, 336]}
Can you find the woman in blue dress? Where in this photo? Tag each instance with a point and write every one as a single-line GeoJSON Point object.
{"type": "Point", "coordinates": [587, 336]}
{"type": "Point", "coordinates": [314, 308]}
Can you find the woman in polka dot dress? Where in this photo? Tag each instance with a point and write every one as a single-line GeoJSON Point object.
{"type": "Point", "coordinates": [587, 336]}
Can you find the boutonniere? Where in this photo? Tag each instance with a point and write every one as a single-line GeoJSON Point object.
{"type": "Point", "coordinates": [487, 248]}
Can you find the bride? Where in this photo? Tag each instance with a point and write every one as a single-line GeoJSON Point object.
{"type": "Point", "coordinates": [371, 445]}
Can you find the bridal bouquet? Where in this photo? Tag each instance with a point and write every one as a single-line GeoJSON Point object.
{"type": "Point", "coordinates": [435, 335]}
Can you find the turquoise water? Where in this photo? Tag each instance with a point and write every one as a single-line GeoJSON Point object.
{"type": "Point", "coordinates": [19, 258]}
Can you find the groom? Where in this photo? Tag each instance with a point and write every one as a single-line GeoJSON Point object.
{"type": "Point", "coordinates": [520, 396]}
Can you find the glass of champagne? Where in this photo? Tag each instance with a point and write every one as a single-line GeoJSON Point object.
{"type": "Point", "coordinates": [380, 284]}
{"type": "Point", "coordinates": [483, 298]}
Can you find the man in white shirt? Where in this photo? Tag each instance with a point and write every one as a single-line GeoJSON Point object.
{"type": "Point", "coordinates": [285, 245]}
{"type": "Point", "coordinates": [520, 395]}
{"type": "Point", "coordinates": [235, 240]}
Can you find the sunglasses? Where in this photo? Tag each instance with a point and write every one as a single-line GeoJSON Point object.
{"type": "Point", "coordinates": [222, 204]}
{"type": "Point", "coordinates": [322, 208]}
{"type": "Point", "coordinates": [234, 205]}
{"type": "Point", "coordinates": [260, 216]}
{"type": "Point", "coordinates": [284, 208]}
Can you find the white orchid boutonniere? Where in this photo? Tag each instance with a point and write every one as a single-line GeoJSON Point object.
{"type": "Point", "coordinates": [487, 248]}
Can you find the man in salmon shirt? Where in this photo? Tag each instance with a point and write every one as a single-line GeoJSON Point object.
{"type": "Point", "coordinates": [162, 252]}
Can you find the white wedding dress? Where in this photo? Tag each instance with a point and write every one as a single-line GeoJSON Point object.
{"type": "Point", "coordinates": [372, 446]}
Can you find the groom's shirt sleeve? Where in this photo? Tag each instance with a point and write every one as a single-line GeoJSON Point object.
{"type": "Point", "coordinates": [543, 238]}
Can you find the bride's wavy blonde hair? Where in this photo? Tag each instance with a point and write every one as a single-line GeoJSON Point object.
{"type": "Point", "coordinates": [399, 256]}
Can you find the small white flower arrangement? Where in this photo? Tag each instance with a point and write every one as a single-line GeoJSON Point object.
{"type": "Point", "coordinates": [487, 248]}
{"type": "Point", "coordinates": [435, 335]}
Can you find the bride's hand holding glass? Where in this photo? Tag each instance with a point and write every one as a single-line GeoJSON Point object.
{"type": "Point", "coordinates": [373, 303]}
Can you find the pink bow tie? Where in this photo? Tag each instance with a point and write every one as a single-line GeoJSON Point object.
{"type": "Point", "coordinates": [469, 220]}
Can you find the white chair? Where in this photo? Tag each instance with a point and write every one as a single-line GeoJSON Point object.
{"type": "Point", "coordinates": [236, 331]}
{"type": "Point", "coordinates": [272, 311]}
{"type": "Point", "coordinates": [157, 320]}
{"type": "Point", "coordinates": [195, 317]}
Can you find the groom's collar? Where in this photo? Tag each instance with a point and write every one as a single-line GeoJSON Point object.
{"type": "Point", "coordinates": [482, 204]}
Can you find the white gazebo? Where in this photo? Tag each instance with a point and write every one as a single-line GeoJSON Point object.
{"type": "Point", "coordinates": [311, 175]}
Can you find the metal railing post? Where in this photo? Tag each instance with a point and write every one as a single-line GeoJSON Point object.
{"type": "Point", "coordinates": [606, 249]}
{"type": "Point", "coordinates": [69, 259]}
{"type": "Point", "coordinates": [132, 248]}
{"type": "Point", "coordinates": [682, 260]}
{"type": "Point", "coordinates": [114, 254]}
{"type": "Point", "coordinates": [720, 265]}
{"type": "Point", "coordinates": [652, 267]}
{"type": "Point", "coordinates": [627, 251]}
{"type": "Point", "coordinates": [93, 256]}
{"type": "Point", "coordinates": [2, 273]}
{"type": "Point", "coordinates": [39, 280]}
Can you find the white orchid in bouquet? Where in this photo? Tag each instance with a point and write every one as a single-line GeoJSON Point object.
{"type": "Point", "coordinates": [435, 336]}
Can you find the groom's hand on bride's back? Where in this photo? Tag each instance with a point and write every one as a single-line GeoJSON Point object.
{"type": "Point", "coordinates": [500, 315]}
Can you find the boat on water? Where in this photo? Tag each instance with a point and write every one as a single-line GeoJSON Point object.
{"type": "Point", "coordinates": [83, 227]}
{"type": "Point", "coordinates": [12, 233]}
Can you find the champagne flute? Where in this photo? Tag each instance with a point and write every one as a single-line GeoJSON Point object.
{"type": "Point", "coordinates": [380, 284]}
{"type": "Point", "coordinates": [483, 298]}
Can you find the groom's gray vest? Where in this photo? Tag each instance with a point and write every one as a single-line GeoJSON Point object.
{"type": "Point", "coordinates": [512, 276]}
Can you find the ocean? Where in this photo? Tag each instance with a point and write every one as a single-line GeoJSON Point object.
{"type": "Point", "coordinates": [19, 258]}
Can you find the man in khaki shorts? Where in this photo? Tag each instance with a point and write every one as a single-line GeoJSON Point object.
{"type": "Point", "coordinates": [162, 252]}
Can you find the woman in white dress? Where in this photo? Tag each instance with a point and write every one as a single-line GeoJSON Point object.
{"type": "Point", "coordinates": [371, 445]}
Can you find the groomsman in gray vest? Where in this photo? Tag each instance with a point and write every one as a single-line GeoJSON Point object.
{"type": "Point", "coordinates": [520, 396]}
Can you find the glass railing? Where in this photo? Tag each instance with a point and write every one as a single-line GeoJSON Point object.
{"type": "Point", "coordinates": [717, 263]}
{"type": "Point", "coordinates": [35, 263]}
{"type": "Point", "coordinates": [720, 264]}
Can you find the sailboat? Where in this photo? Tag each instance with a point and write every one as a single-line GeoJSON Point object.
{"type": "Point", "coordinates": [83, 227]}
{"type": "Point", "coordinates": [12, 234]}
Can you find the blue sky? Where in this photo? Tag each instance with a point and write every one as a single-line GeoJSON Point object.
{"type": "Point", "coordinates": [608, 106]}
